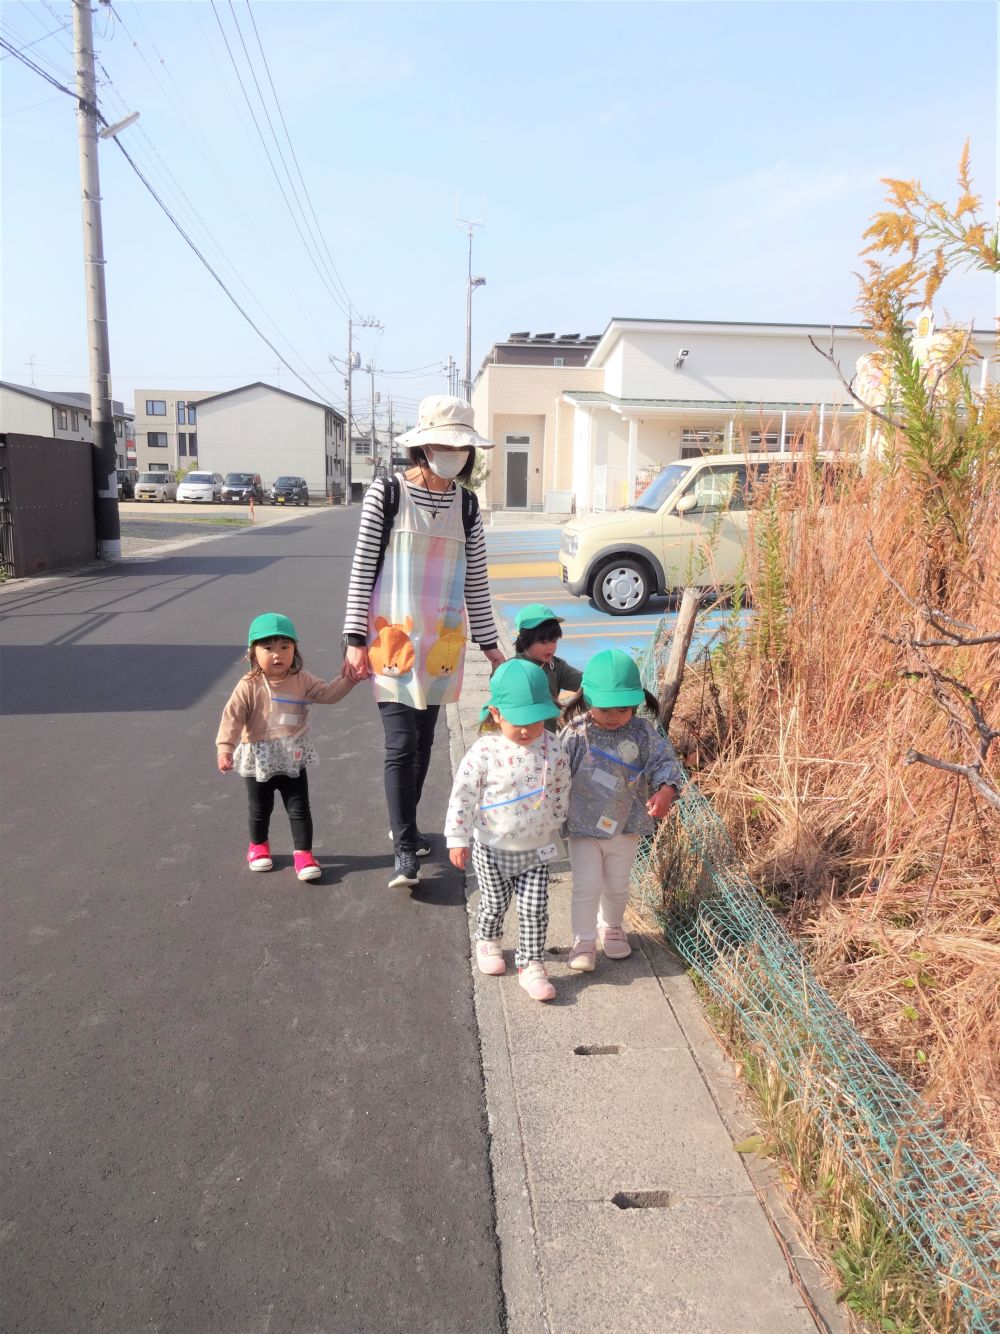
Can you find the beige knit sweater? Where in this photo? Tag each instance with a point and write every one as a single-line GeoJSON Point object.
{"type": "Point", "coordinates": [247, 715]}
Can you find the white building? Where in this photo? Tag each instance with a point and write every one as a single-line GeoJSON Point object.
{"type": "Point", "coordinates": [166, 427]}
{"type": "Point", "coordinates": [652, 391]}
{"type": "Point", "coordinates": [258, 428]}
{"type": "Point", "coordinates": [62, 415]}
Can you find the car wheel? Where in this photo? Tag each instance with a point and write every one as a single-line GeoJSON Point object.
{"type": "Point", "coordinates": [622, 587]}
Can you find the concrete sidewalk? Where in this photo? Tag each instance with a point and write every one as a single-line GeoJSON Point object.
{"type": "Point", "coordinates": [620, 1200]}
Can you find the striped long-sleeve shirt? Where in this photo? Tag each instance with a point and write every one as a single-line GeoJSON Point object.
{"type": "Point", "coordinates": [366, 560]}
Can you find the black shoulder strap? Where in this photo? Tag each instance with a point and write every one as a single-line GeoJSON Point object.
{"type": "Point", "coordinates": [470, 508]}
{"type": "Point", "coordinates": [390, 508]}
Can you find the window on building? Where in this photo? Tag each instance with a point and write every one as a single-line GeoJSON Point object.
{"type": "Point", "coordinates": [159, 467]}
{"type": "Point", "coordinates": [558, 361]}
{"type": "Point", "coordinates": [156, 440]}
{"type": "Point", "coordinates": [74, 418]}
{"type": "Point", "coordinates": [156, 407]}
{"type": "Point", "coordinates": [698, 441]}
{"type": "Point", "coordinates": [361, 444]}
{"type": "Point", "coordinates": [517, 439]}
{"type": "Point", "coordinates": [190, 414]}
{"type": "Point", "coordinates": [180, 412]}
{"type": "Point", "coordinates": [182, 444]}
{"type": "Point", "coordinates": [193, 444]}
{"type": "Point", "coordinates": [62, 419]}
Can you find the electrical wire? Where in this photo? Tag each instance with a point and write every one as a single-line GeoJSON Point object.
{"type": "Point", "coordinates": [335, 296]}
{"type": "Point", "coordinates": [295, 157]}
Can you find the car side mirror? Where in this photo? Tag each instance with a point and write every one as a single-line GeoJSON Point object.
{"type": "Point", "coordinates": [686, 504]}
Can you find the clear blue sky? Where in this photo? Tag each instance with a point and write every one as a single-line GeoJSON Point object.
{"type": "Point", "coordinates": [689, 161]}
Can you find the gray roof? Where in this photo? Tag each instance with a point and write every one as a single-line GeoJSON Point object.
{"type": "Point", "coordinates": [64, 399]}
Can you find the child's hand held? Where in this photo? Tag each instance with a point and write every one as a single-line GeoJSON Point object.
{"type": "Point", "coordinates": [661, 801]}
{"type": "Point", "coordinates": [459, 857]}
{"type": "Point", "coordinates": [225, 761]}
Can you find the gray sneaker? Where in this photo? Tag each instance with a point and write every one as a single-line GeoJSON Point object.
{"type": "Point", "coordinates": [407, 872]}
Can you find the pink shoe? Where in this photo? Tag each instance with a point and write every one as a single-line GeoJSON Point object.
{"type": "Point", "coordinates": [306, 866]}
{"type": "Point", "coordinates": [489, 956]}
{"type": "Point", "coordinates": [614, 941]}
{"type": "Point", "coordinates": [259, 857]}
{"type": "Point", "coordinates": [583, 956]}
{"type": "Point", "coordinates": [535, 980]}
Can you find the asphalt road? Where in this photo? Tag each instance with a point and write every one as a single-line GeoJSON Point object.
{"type": "Point", "coordinates": [232, 1103]}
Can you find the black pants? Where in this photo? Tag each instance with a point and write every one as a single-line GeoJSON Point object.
{"type": "Point", "coordinates": [409, 737]}
{"type": "Point", "coordinates": [295, 795]}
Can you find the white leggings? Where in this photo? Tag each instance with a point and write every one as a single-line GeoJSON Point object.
{"type": "Point", "coordinates": [601, 871]}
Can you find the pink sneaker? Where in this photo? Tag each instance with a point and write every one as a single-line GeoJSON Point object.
{"type": "Point", "coordinates": [614, 941]}
{"type": "Point", "coordinates": [306, 866]}
{"type": "Point", "coordinates": [259, 857]}
{"type": "Point", "coordinates": [583, 956]}
{"type": "Point", "coordinates": [535, 980]}
{"type": "Point", "coordinates": [489, 956]}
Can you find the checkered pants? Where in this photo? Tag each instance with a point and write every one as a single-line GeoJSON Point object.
{"type": "Point", "coordinates": [495, 891]}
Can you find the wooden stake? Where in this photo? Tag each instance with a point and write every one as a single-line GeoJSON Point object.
{"type": "Point", "coordinates": [679, 646]}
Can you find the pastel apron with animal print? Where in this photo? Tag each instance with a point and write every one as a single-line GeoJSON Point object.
{"type": "Point", "coordinates": [417, 625]}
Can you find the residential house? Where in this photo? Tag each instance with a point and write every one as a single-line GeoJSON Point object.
{"type": "Point", "coordinates": [166, 426]}
{"type": "Point", "coordinates": [63, 415]}
{"type": "Point", "coordinates": [259, 428]}
{"type": "Point", "coordinates": [653, 391]}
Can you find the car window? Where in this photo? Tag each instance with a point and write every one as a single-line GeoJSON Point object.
{"type": "Point", "coordinates": [717, 489]}
{"type": "Point", "coordinates": [661, 486]}
{"type": "Point", "coordinates": [153, 477]}
{"type": "Point", "coordinates": [203, 478]}
{"type": "Point", "coordinates": [239, 479]}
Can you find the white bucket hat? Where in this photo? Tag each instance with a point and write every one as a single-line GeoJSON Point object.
{"type": "Point", "coordinates": [446, 423]}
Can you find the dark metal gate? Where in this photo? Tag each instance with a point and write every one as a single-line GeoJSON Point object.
{"type": "Point", "coordinates": [46, 504]}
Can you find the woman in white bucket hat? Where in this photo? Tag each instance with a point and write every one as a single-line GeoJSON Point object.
{"type": "Point", "coordinates": [419, 590]}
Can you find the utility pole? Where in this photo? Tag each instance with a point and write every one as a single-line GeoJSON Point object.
{"type": "Point", "coordinates": [388, 461]}
{"type": "Point", "coordinates": [373, 450]}
{"type": "Point", "coordinates": [106, 523]}
{"type": "Point", "coordinates": [470, 287]}
{"type": "Point", "coordinates": [353, 364]}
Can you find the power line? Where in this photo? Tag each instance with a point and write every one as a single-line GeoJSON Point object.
{"type": "Point", "coordinates": [335, 296]}
{"type": "Point", "coordinates": [295, 158]}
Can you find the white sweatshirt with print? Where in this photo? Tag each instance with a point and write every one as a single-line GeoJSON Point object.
{"type": "Point", "coordinates": [509, 796]}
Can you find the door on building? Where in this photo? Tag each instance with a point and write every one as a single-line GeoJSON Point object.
{"type": "Point", "coordinates": [517, 476]}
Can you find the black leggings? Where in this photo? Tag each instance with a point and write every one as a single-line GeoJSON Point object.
{"type": "Point", "coordinates": [295, 795]}
{"type": "Point", "coordinates": [409, 736]}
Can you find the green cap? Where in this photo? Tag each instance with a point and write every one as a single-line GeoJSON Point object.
{"type": "Point", "coordinates": [519, 690]}
{"type": "Point", "coordinates": [528, 617]}
{"type": "Point", "coordinates": [611, 681]}
{"type": "Point", "coordinates": [271, 625]}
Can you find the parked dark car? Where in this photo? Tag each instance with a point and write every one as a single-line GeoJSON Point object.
{"type": "Point", "coordinates": [127, 478]}
{"type": "Point", "coordinates": [289, 491]}
{"type": "Point", "coordinates": [242, 487]}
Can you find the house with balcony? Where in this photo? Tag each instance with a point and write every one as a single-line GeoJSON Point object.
{"type": "Point", "coordinates": [260, 428]}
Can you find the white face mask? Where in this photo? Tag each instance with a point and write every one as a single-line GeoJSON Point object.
{"type": "Point", "coordinates": [447, 463]}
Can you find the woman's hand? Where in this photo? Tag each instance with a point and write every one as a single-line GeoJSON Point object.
{"type": "Point", "coordinates": [356, 665]}
{"type": "Point", "coordinates": [494, 657]}
{"type": "Point", "coordinates": [459, 857]}
{"type": "Point", "coordinates": [225, 761]}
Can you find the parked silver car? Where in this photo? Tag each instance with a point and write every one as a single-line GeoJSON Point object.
{"type": "Point", "coordinates": [201, 486]}
{"type": "Point", "coordinates": [156, 486]}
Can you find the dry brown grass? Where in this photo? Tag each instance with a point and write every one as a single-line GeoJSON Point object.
{"type": "Point", "coordinates": [887, 871]}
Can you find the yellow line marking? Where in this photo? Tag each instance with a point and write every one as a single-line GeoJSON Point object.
{"type": "Point", "coordinates": [522, 570]}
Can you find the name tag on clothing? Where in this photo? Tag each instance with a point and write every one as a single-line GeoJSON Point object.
{"type": "Point", "coordinates": [604, 778]}
{"type": "Point", "coordinates": [548, 853]}
{"type": "Point", "coordinates": [606, 825]}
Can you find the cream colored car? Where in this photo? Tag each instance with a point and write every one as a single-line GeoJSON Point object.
{"type": "Point", "coordinates": [687, 529]}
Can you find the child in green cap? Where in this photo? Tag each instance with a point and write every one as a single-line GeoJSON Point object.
{"type": "Point", "coordinates": [625, 776]}
{"type": "Point", "coordinates": [538, 633]}
{"type": "Point", "coordinates": [509, 798]}
{"type": "Point", "coordinates": [264, 737]}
